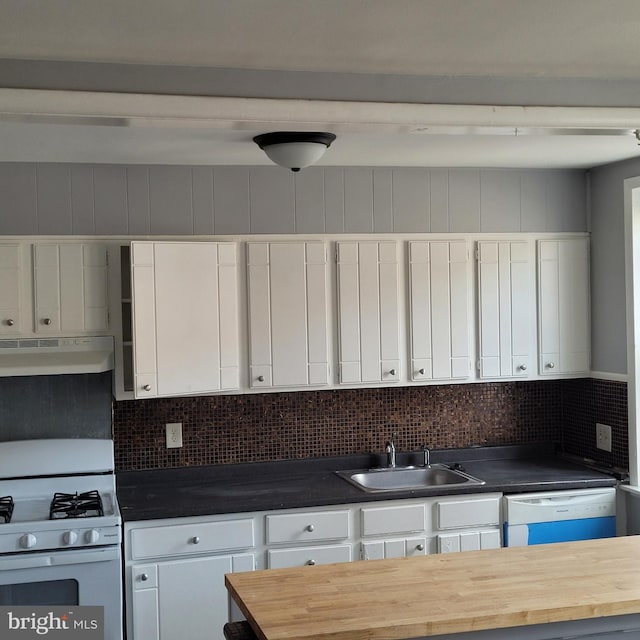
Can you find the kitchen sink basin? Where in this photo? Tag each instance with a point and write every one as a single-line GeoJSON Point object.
{"type": "Point", "coordinates": [408, 478]}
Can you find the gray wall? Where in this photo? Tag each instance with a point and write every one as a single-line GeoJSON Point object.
{"type": "Point", "coordinates": [65, 199]}
{"type": "Point", "coordinates": [608, 298]}
{"type": "Point", "coordinates": [56, 406]}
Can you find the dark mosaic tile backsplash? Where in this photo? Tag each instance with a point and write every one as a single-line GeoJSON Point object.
{"type": "Point", "coordinates": [277, 426]}
{"type": "Point", "coordinates": [585, 402]}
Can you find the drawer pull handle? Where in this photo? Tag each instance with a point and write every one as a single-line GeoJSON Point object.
{"type": "Point", "coordinates": [144, 577]}
{"type": "Point", "coordinates": [551, 365]}
{"type": "Point", "coordinates": [310, 528]}
{"type": "Point", "coordinates": [47, 321]}
{"type": "Point", "coordinates": [421, 372]}
{"type": "Point", "coordinates": [195, 540]}
{"type": "Point", "coordinates": [420, 547]}
{"type": "Point", "coordinates": [523, 367]}
{"type": "Point", "coordinates": [10, 322]}
{"type": "Point", "coordinates": [310, 563]}
{"type": "Point", "coordinates": [147, 387]}
{"type": "Point", "coordinates": [260, 378]}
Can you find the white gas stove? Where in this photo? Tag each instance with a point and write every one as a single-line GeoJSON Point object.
{"type": "Point", "coordinates": [60, 526]}
{"type": "Point", "coordinates": [40, 509]}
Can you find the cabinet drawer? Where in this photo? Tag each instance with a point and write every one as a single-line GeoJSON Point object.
{"type": "Point", "coordinates": [304, 527]}
{"type": "Point", "coordinates": [468, 541]}
{"type": "Point", "coordinates": [283, 558]}
{"type": "Point", "coordinates": [400, 548]}
{"type": "Point", "coordinates": [191, 538]}
{"type": "Point", "coordinates": [399, 519]}
{"type": "Point", "coordinates": [453, 514]}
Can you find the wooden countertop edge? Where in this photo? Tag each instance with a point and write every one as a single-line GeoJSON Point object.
{"type": "Point", "coordinates": [466, 624]}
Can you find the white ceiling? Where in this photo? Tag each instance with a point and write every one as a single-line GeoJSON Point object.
{"type": "Point", "coordinates": [588, 39]}
{"type": "Point", "coordinates": [565, 38]}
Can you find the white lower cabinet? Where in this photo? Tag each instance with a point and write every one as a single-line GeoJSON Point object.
{"type": "Point", "coordinates": [304, 527]}
{"type": "Point", "coordinates": [175, 575]}
{"type": "Point", "coordinates": [175, 568]}
{"type": "Point", "coordinates": [467, 523]}
{"type": "Point", "coordinates": [195, 585]}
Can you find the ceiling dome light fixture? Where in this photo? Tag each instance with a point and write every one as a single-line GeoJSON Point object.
{"type": "Point", "coordinates": [295, 149]}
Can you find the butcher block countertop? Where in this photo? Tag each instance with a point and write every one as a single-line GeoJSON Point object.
{"type": "Point", "coordinates": [443, 594]}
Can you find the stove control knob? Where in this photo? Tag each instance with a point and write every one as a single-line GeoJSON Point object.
{"type": "Point", "coordinates": [69, 537]}
{"type": "Point", "coordinates": [28, 541]}
{"type": "Point", "coordinates": [91, 536]}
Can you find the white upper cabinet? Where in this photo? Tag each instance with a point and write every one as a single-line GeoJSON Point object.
{"type": "Point", "coordinates": [505, 308]}
{"type": "Point", "coordinates": [563, 306]}
{"type": "Point", "coordinates": [70, 288]}
{"type": "Point", "coordinates": [53, 288]}
{"type": "Point", "coordinates": [287, 292]}
{"type": "Point", "coordinates": [11, 282]}
{"type": "Point", "coordinates": [368, 318]}
{"type": "Point", "coordinates": [185, 318]}
{"type": "Point", "coordinates": [439, 286]}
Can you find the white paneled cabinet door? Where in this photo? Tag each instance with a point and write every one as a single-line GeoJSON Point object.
{"type": "Point", "coordinates": [563, 306]}
{"type": "Point", "coordinates": [144, 606]}
{"type": "Point", "coordinates": [505, 289]}
{"type": "Point", "coordinates": [288, 314]}
{"type": "Point", "coordinates": [439, 285]}
{"type": "Point", "coordinates": [191, 594]}
{"type": "Point", "coordinates": [70, 288]}
{"type": "Point", "coordinates": [185, 317]}
{"type": "Point", "coordinates": [10, 289]}
{"type": "Point", "coordinates": [368, 306]}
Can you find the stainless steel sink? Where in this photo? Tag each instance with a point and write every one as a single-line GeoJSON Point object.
{"type": "Point", "coordinates": [407, 478]}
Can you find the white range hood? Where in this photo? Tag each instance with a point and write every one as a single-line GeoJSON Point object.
{"type": "Point", "coordinates": [55, 356]}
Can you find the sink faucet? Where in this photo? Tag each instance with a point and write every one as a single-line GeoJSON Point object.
{"type": "Point", "coordinates": [390, 450]}
{"type": "Point", "coordinates": [426, 452]}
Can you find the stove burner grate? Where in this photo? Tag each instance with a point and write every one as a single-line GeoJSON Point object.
{"type": "Point", "coordinates": [6, 508]}
{"type": "Point", "coordinates": [76, 505]}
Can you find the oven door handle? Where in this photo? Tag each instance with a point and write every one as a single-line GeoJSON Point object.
{"type": "Point", "coordinates": [82, 556]}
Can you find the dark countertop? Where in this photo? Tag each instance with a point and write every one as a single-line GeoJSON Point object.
{"type": "Point", "coordinates": [267, 486]}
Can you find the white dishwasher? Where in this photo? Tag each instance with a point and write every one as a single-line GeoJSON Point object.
{"type": "Point", "coordinates": [559, 516]}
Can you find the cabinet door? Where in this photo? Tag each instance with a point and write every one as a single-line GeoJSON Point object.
{"type": "Point", "coordinates": [185, 312]}
{"type": "Point", "coordinates": [10, 289]}
{"type": "Point", "coordinates": [193, 601]}
{"type": "Point", "coordinates": [505, 288]}
{"type": "Point", "coordinates": [439, 310]}
{"type": "Point", "coordinates": [70, 288]}
{"type": "Point", "coordinates": [368, 304]}
{"type": "Point", "coordinates": [288, 314]}
{"type": "Point", "coordinates": [145, 615]}
{"type": "Point", "coordinates": [563, 306]}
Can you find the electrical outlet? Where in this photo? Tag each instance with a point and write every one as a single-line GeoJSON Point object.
{"type": "Point", "coordinates": [174, 435]}
{"type": "Point", "coordinates": [603, 436]}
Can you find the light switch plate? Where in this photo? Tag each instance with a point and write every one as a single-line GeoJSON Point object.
{"type": "Point", "coordinates": [603, 437]}
{"type": "Point", "coordinates": [174, 435]}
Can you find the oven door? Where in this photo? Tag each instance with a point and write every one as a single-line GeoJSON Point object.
{"type": "Point", "coordinates": [71, 577]}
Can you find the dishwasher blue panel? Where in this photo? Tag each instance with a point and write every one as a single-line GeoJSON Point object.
{"type": "Point", "coordinates": [567, 530]}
